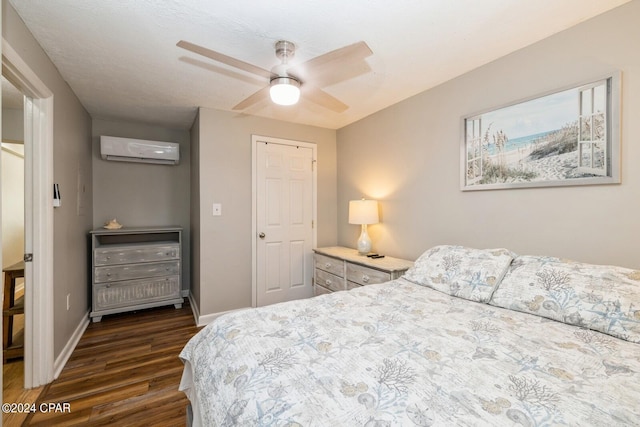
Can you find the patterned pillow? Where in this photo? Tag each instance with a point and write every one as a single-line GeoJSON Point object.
{"type": "Point", "coordinates": [463, 272]}
{"type": "Point", "coordinates": [599, 297]}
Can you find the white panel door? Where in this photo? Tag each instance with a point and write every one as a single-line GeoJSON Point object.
{"type": "Point", "coordinates": [284, 227]}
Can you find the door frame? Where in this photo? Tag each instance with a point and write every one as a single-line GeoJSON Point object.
{"type": "Point", "coordinates": [255, 139]}
{"type": "Point", "coordinates": [38, 167]}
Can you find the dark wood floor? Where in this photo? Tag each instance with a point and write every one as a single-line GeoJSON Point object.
{"type": "Point", "coordinates": [124, 371]}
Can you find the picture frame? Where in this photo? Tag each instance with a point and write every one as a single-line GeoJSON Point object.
{"type": "Point", "coordinates": [569, 136]}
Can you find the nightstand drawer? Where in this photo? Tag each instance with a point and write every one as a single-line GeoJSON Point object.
{"type": "Point", "coordinates": [331, 265]}
{"type": "Point", "coordinates": [338, 269]}
{"type": "Point", "coordinates": [329, 281]}
{"type": "Point", "coordinates": [366, 276]}
{"type": "Point", "coordinates": [352, 285]}
{"type": "Point", "coordinates": [319, 290]}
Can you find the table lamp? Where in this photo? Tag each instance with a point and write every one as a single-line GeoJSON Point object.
{"type": "Point", "coordinates": [363, 212]}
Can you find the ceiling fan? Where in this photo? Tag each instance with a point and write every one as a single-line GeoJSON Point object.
{"type": "Point", "coordinates": [285, 81]}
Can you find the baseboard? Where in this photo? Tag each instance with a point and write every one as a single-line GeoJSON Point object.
{"type": "Point", "coordinates": [66, 352]}
{"type": "Point", "coordinates": [207, 318]}
{"type": "Point", "coordinates": [194, 308]}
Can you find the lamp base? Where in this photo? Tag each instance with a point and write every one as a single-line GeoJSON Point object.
{"type": "Point", "coordinates": [364, 241]}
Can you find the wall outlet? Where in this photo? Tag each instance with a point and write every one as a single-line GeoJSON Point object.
{"type": "Point", "coordinates": [68, 301]}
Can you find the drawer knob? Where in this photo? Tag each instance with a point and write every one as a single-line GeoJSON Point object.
{"type": "Point", "coordinates": [327, 282]}
{"type": "Point", "coordinates": [327, 265]}
{"type": "Point", "coordinates": [365, 278]}
{"type": "Point", "coordinates": [108, 274]}
{"type": "Point", "coordinates": [108, 257]}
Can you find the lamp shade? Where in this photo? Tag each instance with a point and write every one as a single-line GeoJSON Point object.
{"type": "Point", "coordinates": [363, 211]}
{"type": "Point", "coordinates": [284, 90]}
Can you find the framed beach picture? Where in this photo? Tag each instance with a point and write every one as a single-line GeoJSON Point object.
{"type": "Point", "coordinates": [567, 137]}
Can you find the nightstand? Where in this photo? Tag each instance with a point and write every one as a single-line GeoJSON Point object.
{"type": "Point", "coordinates": [337, 268]}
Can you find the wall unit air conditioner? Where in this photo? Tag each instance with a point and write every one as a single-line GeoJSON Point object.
{"type": "Point", "coordinates": [139, 150]}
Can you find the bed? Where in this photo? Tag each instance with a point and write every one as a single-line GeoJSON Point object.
{"type": "Point", "coordinates": [466, 337]}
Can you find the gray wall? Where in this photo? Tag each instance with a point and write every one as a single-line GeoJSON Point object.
{"type": "Point", "coordinates": [224, 263]}
{"type": "Point", "coordinates": [72, 171]}
{"type": "Point", "coordinates": [140, 194]}
{"type": "Point", "coordinates": [12, 124]}
{"type": "Point", "coordinates": [408, 157]}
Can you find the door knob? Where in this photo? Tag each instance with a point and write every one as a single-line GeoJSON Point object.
{"type": "Point", "coordinates": [261, 235]}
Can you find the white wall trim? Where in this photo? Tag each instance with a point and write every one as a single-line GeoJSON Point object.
{"type": "Point", "coordinates": [208, 318]}
{"type": "Point", "coordinates": [66, 352]}
{"type": "Point", "coordinates": [38, 112]}
{"type": "Point", "coordinates": [194, 308]}
{"type": "Point", "coordinates": [21, 75]}
{"type": "Point", "coordinates": [186, 293]}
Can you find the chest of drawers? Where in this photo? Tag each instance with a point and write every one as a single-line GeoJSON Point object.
{"type": "Point", "coordinates": [135, 268]}
{"type": "Point", "coordinates": [338, 268]}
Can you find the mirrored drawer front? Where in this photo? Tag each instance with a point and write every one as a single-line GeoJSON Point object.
{"type": "Point", "coordinates": [137, 253]}
{"type": "Point", "coordinates": [136, 271]}
{"type": "Point", "coordinates": [332, 265]}
{"type": "Point", "coordinates": [329, 281]}
{"type": "Point", "coordinates": [121, 294]}
{"type": "Point", "coordinates": [366, 276]}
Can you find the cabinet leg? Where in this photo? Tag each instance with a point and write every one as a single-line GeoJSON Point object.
{"type": "Point", "coordinates": [177, 306]}
{"type": "Point", "coordinates": [97, 319]}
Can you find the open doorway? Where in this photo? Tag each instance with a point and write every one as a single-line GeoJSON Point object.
{"type": "Point", "coordinates": [38, 218]}
{"type": "Point", "coordinates": [13, 239]}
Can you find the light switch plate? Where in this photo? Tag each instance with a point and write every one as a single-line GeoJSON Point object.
{"type": "Point", "coordinates": [217, 209]}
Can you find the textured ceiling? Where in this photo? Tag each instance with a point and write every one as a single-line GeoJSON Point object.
{"type": "Point", "coordinates": [121, 60]}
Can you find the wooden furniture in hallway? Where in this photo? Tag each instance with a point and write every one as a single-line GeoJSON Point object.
{"type": "Point", "coordinates": [11, 348]}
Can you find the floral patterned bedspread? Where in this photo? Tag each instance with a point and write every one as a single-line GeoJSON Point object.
{"type": "Point", "coordinates": [399, 354]}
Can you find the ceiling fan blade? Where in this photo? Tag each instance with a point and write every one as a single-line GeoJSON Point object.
{"type": "Point", "coordinates": [319, 66]}
{"type": "Point", "coordinates": [359, 50]}
{"type": "Point", "coordinates": [220, 57]}
{"type": "Point", "coordinates": [262, 94]}
{"type": "Point", "coordinates": [322, 98]}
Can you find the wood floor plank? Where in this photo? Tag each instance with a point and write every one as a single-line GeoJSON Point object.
{"type": "Point", "coordinates": [78, 418]}
{"type": "Point", "coordinates": [130, 409]}
{"type": "Point", "coordinates": [90, 401]}
{"type": "Point", "coordinates": [99, 382]}
{"type": "Point", "coordinates": [124, 371]}
{"type": "Point", "coordinates": [71, 372]}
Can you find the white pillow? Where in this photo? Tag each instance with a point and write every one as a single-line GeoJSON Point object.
{"type": "Point", "coordinates": [599, 297]}
{"type": "Point", "coordinates": [463, 272]}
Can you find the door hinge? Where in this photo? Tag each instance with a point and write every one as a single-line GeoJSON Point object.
{"type": "Point", "coordinates": [313, 224]}
{"type": "Point", "coordinates": [313, 165]}
{"type": "Point", "coordinates": [28, 257]}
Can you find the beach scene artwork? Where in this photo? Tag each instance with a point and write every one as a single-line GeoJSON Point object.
{"type": "Point", "coordinates": [556, 139]}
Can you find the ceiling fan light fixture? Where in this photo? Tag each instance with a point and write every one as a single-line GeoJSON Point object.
{"type": "Point", "coordinates": [285, 90]}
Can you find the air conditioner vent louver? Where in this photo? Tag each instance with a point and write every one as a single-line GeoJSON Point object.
{"type": "Point", "coordinates": [139, 150]}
